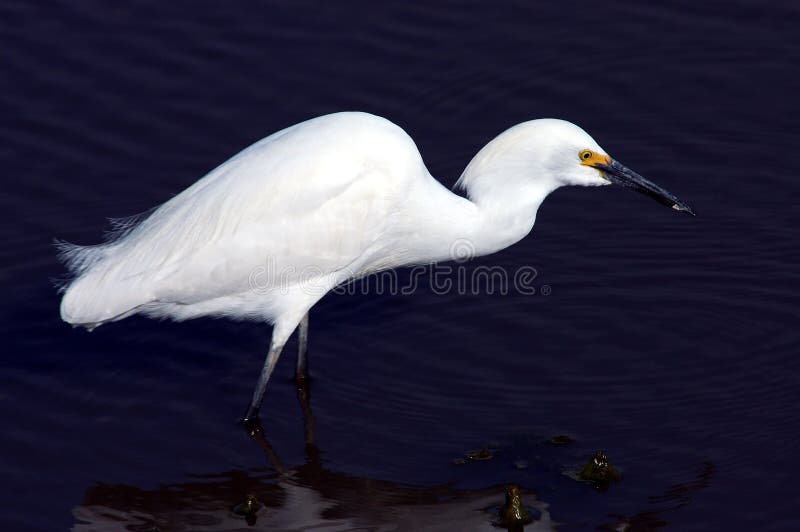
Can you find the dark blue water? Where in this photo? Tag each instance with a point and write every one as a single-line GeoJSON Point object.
{"type": "Point", "coordinates": [667, 341]}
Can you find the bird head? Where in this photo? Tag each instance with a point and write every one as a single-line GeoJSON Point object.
{"type": "Point", "coordinates": [576, 159]}
{"type": "Point", "coordinates": [548, 153]}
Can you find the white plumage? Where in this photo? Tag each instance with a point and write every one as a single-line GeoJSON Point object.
{"type": "Point", "coordinates": [265, 235]}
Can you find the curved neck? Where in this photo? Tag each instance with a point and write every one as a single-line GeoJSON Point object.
{"type": "Point", "coordinates": [489, 219]}
{"type": "Point", "coordinates": [507, 181]}
{"type": "Point", "coordinates": [508, 210]}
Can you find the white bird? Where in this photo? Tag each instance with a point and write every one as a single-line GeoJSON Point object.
{"type": "Point", "coordinates": [268, 233]}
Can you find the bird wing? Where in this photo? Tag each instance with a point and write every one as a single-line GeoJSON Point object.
{"type": "Point", "coordinates": [309, 200]}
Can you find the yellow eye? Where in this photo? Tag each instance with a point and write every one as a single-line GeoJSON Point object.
{"type": "Point", "coordinates": [585, 155]}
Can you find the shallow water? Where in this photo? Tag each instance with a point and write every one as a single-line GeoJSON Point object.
{"type": "Point", "coordinates": [669, 342]}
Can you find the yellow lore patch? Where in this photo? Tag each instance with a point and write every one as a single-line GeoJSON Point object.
{"type": "Point", "coordinates": [590, 158]}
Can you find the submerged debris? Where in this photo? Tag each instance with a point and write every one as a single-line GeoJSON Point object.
{"type": "Point", "coordinates": [513, 515]}
{"type": "Point", "coordinates": [521, 464]}
{"type": "Point", "coordinates": [479, 455]}
{"type": "Point", "coordinates": [599, 471]}
{"type": "Point", "coordinates": [513, 512]}
{"type": "Point", "coordinates": [561, 439]}
{"type": "Point", "coordinates": [247, 509]}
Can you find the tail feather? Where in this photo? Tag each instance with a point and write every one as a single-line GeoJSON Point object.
{"type": "Point", "coordinates": [79, 259]}
{"type": "Point", "coordinates": [97, 297]}
{"type": "Point", "coordinates": [97, 289]}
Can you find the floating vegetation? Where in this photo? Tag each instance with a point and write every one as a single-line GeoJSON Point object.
{"type": "Point", "coordinates": [561, 439]}
{"type": "Point", "coordinates": [247, 509]}
{"type": "Point", "coordinates": [599, 471]}
{"type": "Point", "coordinates": [521, 464]}
{"type": "Point", "coordinates": [479, 455]}
{"type": "Point", "coordinates": [513, 515]}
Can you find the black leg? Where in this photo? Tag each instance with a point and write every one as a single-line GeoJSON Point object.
{"type": "Point", "coordinates": [261, 386]}
{"type": "Point", "coordinates": [301, 374]}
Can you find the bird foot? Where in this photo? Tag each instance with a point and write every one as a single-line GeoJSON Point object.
{"type": "Point", "coordinates": [252, 422]}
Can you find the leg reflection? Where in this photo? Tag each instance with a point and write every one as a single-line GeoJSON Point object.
{"type": "Point", "coordinates": [256, 432]}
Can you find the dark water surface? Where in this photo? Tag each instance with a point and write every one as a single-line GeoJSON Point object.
{"type": "Point", "coordinates": [669, 342]}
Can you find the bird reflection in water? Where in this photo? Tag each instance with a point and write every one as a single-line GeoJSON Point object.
{"type": "Point", "coordinates": [311, 497]}
{"type": "Point", "coordinates": [307, 497]}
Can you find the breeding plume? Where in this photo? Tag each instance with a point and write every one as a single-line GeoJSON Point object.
{"type": "Point", "coordinates": [269, 232]}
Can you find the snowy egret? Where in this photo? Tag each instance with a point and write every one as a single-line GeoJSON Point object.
{"type": "Point", "coordinates": [265, 235]}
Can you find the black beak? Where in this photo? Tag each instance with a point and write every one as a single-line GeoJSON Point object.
{"type": "Point", "coordinates": [621, 175]}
